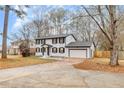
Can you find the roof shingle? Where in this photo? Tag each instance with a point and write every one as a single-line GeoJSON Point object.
{"type": "Point", "coordinates": [79, 44]}
{"type": "Point", "coordinates": [54, 36]}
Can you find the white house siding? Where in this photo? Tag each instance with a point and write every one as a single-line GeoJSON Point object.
{"type": "Point", "coordinates": [88, 53]}
{"type": "Point", "coordinates": [58, 45]}
{"type": "Point", "coordinates": [38, 54]}
{"type": "Point", "coordinates": [69, 39]}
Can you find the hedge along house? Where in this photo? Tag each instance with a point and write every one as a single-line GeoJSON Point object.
{"type": "Point", "coordinates": [63, 46]}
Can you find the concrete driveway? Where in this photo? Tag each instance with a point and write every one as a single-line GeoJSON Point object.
{"type": "Point", "coordinates": [58, 75]}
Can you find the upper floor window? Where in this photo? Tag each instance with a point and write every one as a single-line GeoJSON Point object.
{"type": "Point", "coordinates": [42, 41]}
{"type": "Point", "coordinates": [54, 41]}
{"type": "Point", "coordinates": [61, 50]}
{"type": "Point", "coordinates": [54, 50]}
{"type": "Point", "coordinates": [37, 41]}
{"type": "Point", "coordinates": [61, 40]}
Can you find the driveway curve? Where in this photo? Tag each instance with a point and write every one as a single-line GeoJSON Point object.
{"type": "Point", "coordinates": [59, 74]}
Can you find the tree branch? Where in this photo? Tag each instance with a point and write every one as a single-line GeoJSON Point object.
{"type": "Point", "coordinates": [98, 25]}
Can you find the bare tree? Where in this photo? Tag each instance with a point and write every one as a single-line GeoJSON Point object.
{"type": "Point", "coordinates": [107, 24]}
{"type": "Point", "coordinates": [20, 13]}
{"type": "Point", "coordinates": [57, 17]}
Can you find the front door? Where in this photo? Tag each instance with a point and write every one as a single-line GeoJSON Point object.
{"type": "Point", "coordinates": [46, 52]}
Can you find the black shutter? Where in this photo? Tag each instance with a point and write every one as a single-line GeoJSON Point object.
{"type": "Point", "coordinates": [56, 40]}
{"type": "Point", "coordinates": [63, 50]}
{"type": "Point", "coordinates": [52, 41]}
{"type": "Point", "coordinates": [59, 40]}
{"type": "Point", "coordinates": [36, 42]}
{"type": "Point", "coordinates": [56, 50]}
{"type": "Point", "coordinates": [59, 50]}
{"type": "Point", "coordinates": [63, 40]}
{"type": "Point", "coordinates": [36, 49]}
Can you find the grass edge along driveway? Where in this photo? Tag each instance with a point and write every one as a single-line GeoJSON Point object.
{"type": "Point", "coordinates": [18, 61]}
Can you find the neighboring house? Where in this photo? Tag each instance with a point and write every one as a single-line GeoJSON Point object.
{"type": "Point", "coordinates": [14, 48]}
{"type": "Point", "coordinates": [63, 46]}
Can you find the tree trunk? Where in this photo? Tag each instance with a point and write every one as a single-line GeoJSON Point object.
{"type": "Point", "coordinates": [114, 56]}
{"type": "Point", "coordinates": [114, 44]}
{"type": "Point", "coordinates": [4, 41]}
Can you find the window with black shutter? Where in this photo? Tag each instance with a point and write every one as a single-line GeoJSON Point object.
{"type": "Point", "coordinates": [42, 41]}
{"type": "Point", "coordinates": [38, 41]}
{"type": "Point", "coordinates": [61, 50]}
{"type": "Point", "coordinates": [61, 40]}
{"type": "Point", "coordinates": [37, 49]}
{"type": "Point", "coordinates": [54, 50]}
{"type": "Point", "coordinates": [54, 41]}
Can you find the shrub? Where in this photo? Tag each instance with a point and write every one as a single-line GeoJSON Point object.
{"type": "Point", "coordinates": [24, 50]}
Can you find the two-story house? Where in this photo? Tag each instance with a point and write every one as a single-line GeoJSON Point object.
{"type": "Point", "coordinates": [63, 46]}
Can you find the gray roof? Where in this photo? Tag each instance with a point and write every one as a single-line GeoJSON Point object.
{"type": "Point", "coordinates": [79, 44]}
{"type": "Point", "coordinates": [55, 36]}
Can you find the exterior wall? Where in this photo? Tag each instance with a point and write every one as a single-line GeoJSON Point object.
{"type": "Point", "coordinates": [65, 54]}
{"type": "Point", "coordinates": [49, 42]}
{"type": "Point", "coordinates": [69, 39]}
{"type": "Point", "coordinates": [88, 52]}
{"type": "Point", "coordinates": [38, 54]}
{"type": "Point", "coordinates": [92, 50]}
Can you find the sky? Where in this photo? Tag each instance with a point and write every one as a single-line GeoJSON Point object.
{"type": "Point", "coordinates": [14, 22]}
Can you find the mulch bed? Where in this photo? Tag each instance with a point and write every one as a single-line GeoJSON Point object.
{"type": "Point", "coordinates": [90, 65]}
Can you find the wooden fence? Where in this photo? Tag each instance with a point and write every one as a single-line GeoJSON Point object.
{"type": "Point", "coordinates": [102, 54]}
{"type": "Point", "coordinates": [106, 54]}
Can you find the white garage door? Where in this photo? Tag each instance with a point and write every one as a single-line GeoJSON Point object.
{"type": "Point", "coordinates": [78, 53]}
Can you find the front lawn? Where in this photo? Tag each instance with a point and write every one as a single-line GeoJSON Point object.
{"type": "Point", "coordinates": [100, 64]}
{"type": "Point", "coordinates": [18, 61]}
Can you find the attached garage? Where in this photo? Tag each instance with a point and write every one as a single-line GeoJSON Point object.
{"type": "Point", "coordinates": [79, 49]}
{"type": "Point", "coordinates": [78, 53]}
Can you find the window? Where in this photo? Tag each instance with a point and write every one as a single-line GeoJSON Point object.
{"type": "Point", "coordinates": [61, 40]}
{"type": "Point", "coordinates": [37, 49]}
{"type": "Point", "coordinates": [54, 50]}
{"type": "Point", "coordinates": [61, 50]}
{"type": "Point", "coordinates": [42, 41]}
{"type": "Point", "coordinates": [37, 41]}
{"type": "Point", "coordinates": [54, 40]}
